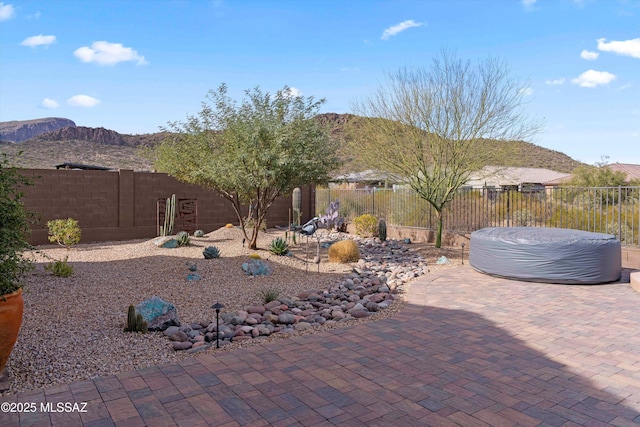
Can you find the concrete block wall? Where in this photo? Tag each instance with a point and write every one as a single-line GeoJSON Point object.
{"type": "Point", "coordinates": [122, 205]}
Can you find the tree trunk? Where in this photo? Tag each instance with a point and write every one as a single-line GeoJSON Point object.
{"type": "Point", "coordinates": [439, 229]}
{"type": "Point", "coordinates": [253, 244]}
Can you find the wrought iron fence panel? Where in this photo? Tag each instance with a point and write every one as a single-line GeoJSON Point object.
{"type": "Point", "coordinates": [611, 210]}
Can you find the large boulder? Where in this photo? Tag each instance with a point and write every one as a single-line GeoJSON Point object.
{"type": "Point", "coordinates": [158, 313]}
{"type": "Point", "coordinates": [166, 242]}
{"type": "Point", "coordinates": [256, 267]}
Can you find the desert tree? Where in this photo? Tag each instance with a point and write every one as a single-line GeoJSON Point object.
{"type": "Point", "coordinates": [430, 128]}
{"type": "Point", "coordinates": [250, 152]}
{"type": "Point", "coordinates": [600, 175]}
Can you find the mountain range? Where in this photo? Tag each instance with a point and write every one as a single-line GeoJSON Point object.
{"type": "Point", "coordinates": [45, 143]}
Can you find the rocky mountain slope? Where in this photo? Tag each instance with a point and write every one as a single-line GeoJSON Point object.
{"type": "Point", "coordinates": [18, 131]}
{"type": "Point", "coordinates": [104, 147]}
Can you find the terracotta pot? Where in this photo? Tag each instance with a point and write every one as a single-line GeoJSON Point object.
{"type": "Point", "coordinates": [11, 306]}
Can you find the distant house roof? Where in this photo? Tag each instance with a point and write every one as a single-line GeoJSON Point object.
{"type": "Point", "coordinates": [368, 175]}
{"type": "Point", "coordinates": [498, 176]}
{"type": "Point", "coordinates": [81, 167]}
{"type": "Point", "coordinates": [632, 171]}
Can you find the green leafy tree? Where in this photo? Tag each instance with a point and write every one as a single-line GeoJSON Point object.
{"type": "Point", "coordinates": [250, 153]}
{"type": "Point", "coordinates": [431, 128]}
{"type": "Point", "coordinates": [14, 228]}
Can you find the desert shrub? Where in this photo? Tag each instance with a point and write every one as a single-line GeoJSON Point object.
{"type": "Point", "coordinates": [60, 268]}
{"type": "Point", "coordinates": [344, 251]}
{"type": "Point", "coordinates": [269, 294]}
{"type": "Point", "coordinates": [254, 256]}
{"type": "Point", "coordinates": [65, 232]}
{"type": "Point", "coordinates": [14, 229]}
{"type": "Point", "coordinates": [366, 225]}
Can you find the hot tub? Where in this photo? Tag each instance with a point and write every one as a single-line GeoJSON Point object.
{"type": "Point", "coordinates": [548, 255]}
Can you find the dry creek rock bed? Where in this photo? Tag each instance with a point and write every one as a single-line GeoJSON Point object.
{"type": "Point", "coordinates": [72, 327]}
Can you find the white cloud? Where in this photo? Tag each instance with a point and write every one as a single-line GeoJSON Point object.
{"type": "Point", "coordinates": [625, 47]}
{"type": "Point", "coordinates": [589, 56]}
{"type": "Point", "coordinates": [49, 103]}
{"type": "Point", "coordinates": [555, 82]}
{"type": "Point", "coordinates": [35, 41]}
{"type": "Point", "coordinates": [292, 92]}
{"type": "Point", "coordinates": [528, 4]}
{"type": "Point", "coordinates": [392, 31]}
{"type": "Point", "coordinates": [105, 53]}
{"type": "Point", "coordinates": [6, 12]}
{"type": "Point", "coordinates": [526, 91]}
{"type": "Point", "coordinates": [83, 101]}
{"type": "Point", "coordinates": [592, 78]}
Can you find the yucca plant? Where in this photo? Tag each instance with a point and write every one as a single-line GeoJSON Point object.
{"type": "Point", "coordinates": [279, 246]}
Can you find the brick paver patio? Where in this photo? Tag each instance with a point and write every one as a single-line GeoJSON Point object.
{"type": "Point", "coordinates": [467, 350]}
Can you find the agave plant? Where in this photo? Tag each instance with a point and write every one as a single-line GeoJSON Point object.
{"type": "Point", "coordinates": [279, 246]}
{"type": "Point", "coordinates": [182, 238]}
{"type": "Point", "coordinates": [211, 252]}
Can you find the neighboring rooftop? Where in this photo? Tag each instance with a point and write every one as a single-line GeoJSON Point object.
{"type": "Point", "coordinates": [80, 166]}
{"type": "Point", "coordinates": [632, 171]}
{"type": "Point", "coordinates": [499, 176]}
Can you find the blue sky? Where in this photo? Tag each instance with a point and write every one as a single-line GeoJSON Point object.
{"type": "Point", "coordinates": [133, 66]}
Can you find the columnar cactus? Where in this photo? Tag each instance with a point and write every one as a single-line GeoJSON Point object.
{"type": "Point", "coordinates": [135, 322]}
{"type": "Point", "coordinates": [169, 215]}
{"type": "Point", "coordinates": [296, 203]}
{"type": "Point", "coordinates": [382, 230]}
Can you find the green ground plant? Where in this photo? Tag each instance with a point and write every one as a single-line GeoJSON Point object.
{"type": "Point", "coordinates": [65, 232]}
{"type": "Point", "coordinates": [60, 268]}
{"type": "Point", "coordinates": [366, 225]}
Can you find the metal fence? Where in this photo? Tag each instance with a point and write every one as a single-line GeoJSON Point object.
{"type": "Point", "coordinates": [612, 210]}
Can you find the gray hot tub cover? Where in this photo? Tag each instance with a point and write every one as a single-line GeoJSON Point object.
{"type": "Point", "coordinates": [550, 255]}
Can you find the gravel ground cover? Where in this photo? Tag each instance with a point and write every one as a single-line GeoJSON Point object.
{"type": "Point", "coordinates": [72, 328]}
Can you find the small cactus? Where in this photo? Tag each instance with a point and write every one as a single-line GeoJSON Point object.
{"type": "Point", "coordinates": [211, 252]}
{"type": "Point", "coordinates": [135, 322]}
{"type": "Point", "coordinates": [254, 256]}
{"type": "Point", "coordinates": [198, 233]}
{"type": "Point", "coordinates": [382, 230]}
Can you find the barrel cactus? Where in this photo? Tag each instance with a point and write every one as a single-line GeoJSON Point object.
{"type": "Point", "coordinates": [198, 233]}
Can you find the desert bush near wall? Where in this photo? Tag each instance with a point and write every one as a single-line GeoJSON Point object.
{"type": "Point", "coordinates": [366, 225]}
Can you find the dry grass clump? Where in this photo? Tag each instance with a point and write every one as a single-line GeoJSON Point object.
{"type": "Point", "coordinates": [344, 251]}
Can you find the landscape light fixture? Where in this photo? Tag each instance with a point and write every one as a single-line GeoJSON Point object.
{"type": "Point", "coordinates": [217, 306]}
{"type": "Point", "coordinates": [463, 254]}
